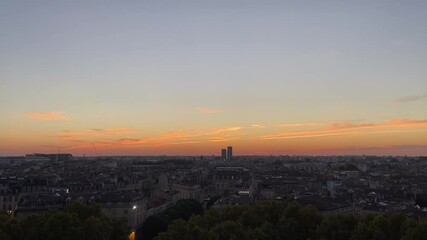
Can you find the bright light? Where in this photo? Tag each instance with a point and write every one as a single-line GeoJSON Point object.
{"type": "Point", "coordinates": [132, 236]}
{"type": "Point", "coordinates": [134, 207]}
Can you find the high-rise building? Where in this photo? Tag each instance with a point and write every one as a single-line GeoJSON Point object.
{"type": "Point", "coordinates": [229, 153]}
{"type": "Point", "coordinates": [223, 154]}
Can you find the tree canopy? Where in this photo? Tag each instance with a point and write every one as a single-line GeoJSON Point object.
{"type": "Point", "coordinates": [183, 209]}
{"type": "Point", "coordinates": [271, 220]}
{"type": "Point", "coordinates": [76, 221]}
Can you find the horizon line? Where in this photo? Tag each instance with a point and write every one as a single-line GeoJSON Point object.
{"type": "Point", "coordinates": [238, 155]}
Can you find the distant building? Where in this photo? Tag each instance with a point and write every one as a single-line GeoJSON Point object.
{"type": "Point", "coordinates": [229, 153]}
{"type": "Point", "coordinates": [126, 205]}
{"type": "Point", "coordinates": [223, 154]}
{"type": "Point", "coordinates": [51, 156]}
{"type": "Point", "coordinates": [8, 200]}
{"type": "Point", "coordinates": [188, 191]}
{"type": "Point", "coordinates": [231, 178]}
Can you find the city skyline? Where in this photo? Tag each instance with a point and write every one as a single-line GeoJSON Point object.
{"type": "Point", "coordinates": [191, 77]}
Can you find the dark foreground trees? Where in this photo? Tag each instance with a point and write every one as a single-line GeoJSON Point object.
{"type": "Point", "coordinates": [263, 221]}
{"type": "Point", "coordinates": [77, 221]}
{"type": "Point", "coordinates": [270, 221]}
{"type": "Point", "coordinates": [183, 209]}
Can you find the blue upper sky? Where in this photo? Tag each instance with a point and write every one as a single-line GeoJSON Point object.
{"type": "Point", "coordinates": [165, 65]}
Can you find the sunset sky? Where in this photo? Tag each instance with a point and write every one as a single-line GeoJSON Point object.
{"type": "Point", "coordinates": [184, 77]}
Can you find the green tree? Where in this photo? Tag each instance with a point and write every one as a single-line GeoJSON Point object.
{"type": "Point", "coordinates": [396, 226]}
{"type": "Point", "coordinates": [77, 221]}
{"type": "Point", "coordinates": [363, 231]}
{"type": "Point", "coordinates": [61, 225]}
{"type": "Point", "coordinates": [417, 232]}
{"type": "Point", "coordinates": [9, 229]}
{"type": "Point", "coordinates": [32, 226]}
{"type": "Point", "coordinates": [266, 232]}
{"type": "Point", "coordinates": [299, 222]}
{"type": "Point", "coordinates": [337, 227]}
{"type": "Point", "coordinates": [83, 211]}
{"type": "Point", "coordinates": [229, 230]}
{"type": "Point", "coordinates": [183, 209]}
{"type": "Point", "coordinates": [119, 230]}
{"type": "Point", "coordinates": [97, 228]}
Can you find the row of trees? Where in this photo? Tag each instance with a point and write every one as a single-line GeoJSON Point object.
{"type": "Point", "coordinates": [263, 221]}
{"type": "Point", "coordinates": [183, 210]}
{"type": "Point", "coordinates": [270, 221]}
{"type": "Point", "coordinates": [77, 221]}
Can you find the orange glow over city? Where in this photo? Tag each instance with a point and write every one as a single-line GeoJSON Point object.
{"type": "Point", "coordinates": [395, 136]}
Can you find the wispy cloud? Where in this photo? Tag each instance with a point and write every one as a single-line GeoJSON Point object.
{"type": "Point", "coordinates": [208, 110]}
{"type": "Point", "coordinates": [112, 130]}
{"type": "Point", "coordinates": [257, 126]}
{"type": "Point", "coordinates": [47, 115]}
{"type": "Point", "coordinates": [346, 125]}
{"type": "Point", "coordinates": [221, 130]}
{"type": "Point", "coordinates": [91, 135]}
{"type": "Point", "coordinates": [101, 131]}
{"type": "Point", "coordinates": [405, 122]}
{"type": "Point", "coordinates": [413, 149]}
{"type": "Point", "coordinates": [412, 98]}
{"type": "Point", "coordinates": [349, 129]}
{"type": "Point", "coordinates": [218, 139]}
{"type": "Point", "coordinates": [126, 137]}
{"type": "Point", "coordinates": [304, 124]}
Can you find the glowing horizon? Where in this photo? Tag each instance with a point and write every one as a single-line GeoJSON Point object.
{"type": "Point", "coordinates": [327, 138]}
{"type": "Point", "coordinates": [190, 77]}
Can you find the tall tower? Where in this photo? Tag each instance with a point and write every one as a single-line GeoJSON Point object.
{"type": "Point", "coordinates": [229, 153]}
{"type": "Point", "coordinates": [223, 154]}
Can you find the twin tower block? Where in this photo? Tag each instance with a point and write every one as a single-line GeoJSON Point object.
{"type": "Point", "coordinates": [227, 154]}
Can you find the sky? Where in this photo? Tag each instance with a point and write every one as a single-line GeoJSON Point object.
{"type": "Point", "coordinates": [183, 77]}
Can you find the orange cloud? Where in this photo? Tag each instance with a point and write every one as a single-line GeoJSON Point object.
{"type": "Point", "coordinates": [347, 129]}
{"type": "Point", "coordinates": [218, 139]}
{"type": "Point", "coordinates": [222, 130]}
{"type": "Point", "coordinates": [407, 122]}
{"type": "Point", "coordinates": [207, 110]}
{"type": "Point", "coordinates": [171, 138]}
{"type": "Point", "coordinates": [128, 140]}
{"type": "Point", "coordinates": [111, 130]}
{"type": "Point", "coordinates": [257, 126]}
{"type": "Point", "coordinates": [47, 115]}
{"type": "Point", "coordinates": [303, 124]}
{"type": "Point", "coordinates": [412, 149]}
{"type": "Point", "coordinates": [94, 133]}
{"type": "Point", "coordinates": [339, 126]}
{"type": "Point", "coordinates": [183, 137]}
{"type": "Point", "coordinates": [104, 138]}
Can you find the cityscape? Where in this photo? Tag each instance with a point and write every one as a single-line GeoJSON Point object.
{"type": "Point", "coordinates": [213, 120]}
{"type": "Point", "coordinates": [137, 187]}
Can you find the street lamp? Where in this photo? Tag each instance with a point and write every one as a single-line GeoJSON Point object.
{"type": "Point", "coordinates": [136, 222]}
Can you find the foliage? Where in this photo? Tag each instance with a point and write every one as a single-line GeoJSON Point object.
{"type": "Point", "coordinates": [183, 209]}
{"type": "Point", "coordinates": [212, 201]}
{"type": "Point", "coordinates": [76, 221]}
{"type": "Point", "coordinates": [271, 220]}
